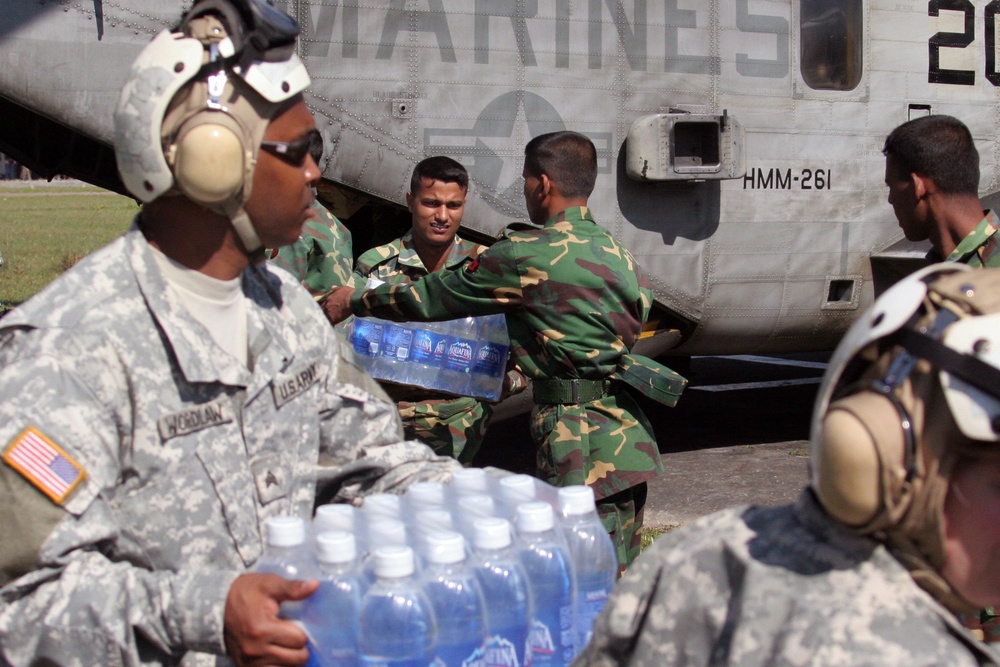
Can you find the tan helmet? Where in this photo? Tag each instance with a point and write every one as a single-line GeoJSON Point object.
{"type": "Point", "coordinates": [914, 385]}
{"type": "Point", "coordinates": [192, 115]}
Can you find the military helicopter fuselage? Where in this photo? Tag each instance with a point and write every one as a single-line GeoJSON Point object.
{"type": "Point", "coordinates": [739, 141]}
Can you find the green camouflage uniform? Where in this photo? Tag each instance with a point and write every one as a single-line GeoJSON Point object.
{"type": "Point", "coordinates": [575, 301]}
{"type": "Point", "coordinates": [451, 426]}
{"type": "Point", "coordinates": [979, 248]}
{"type": "Point", "coordinates": [322, 257]}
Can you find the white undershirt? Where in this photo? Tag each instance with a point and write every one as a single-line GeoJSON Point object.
{"type": "Point", "coordinates": [218, 304]}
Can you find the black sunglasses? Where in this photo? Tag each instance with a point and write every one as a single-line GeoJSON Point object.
{"type": "Point", "coordinates": [294, 152]}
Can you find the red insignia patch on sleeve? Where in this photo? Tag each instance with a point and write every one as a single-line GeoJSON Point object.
{"type": "Point", "coordinates": [472, 266]}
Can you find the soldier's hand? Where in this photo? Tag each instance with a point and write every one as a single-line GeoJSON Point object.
{"type": "Point", "coordinates": [514, 382]}
{"type": "Point", "coordinates": [254, 634]}
{"type": "Point", "coordinates": [337, 306]}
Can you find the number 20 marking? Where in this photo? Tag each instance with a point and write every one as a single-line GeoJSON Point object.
{"type": "Point", "coordinates": [960, 40]}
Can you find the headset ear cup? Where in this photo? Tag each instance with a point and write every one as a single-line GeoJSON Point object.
{"type": "Point", "coordinates": [209, 158]}
{"type": "Point", "coordinates": [859, 458]}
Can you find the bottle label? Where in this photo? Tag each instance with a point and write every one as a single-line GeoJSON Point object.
{"type": "Point", "coordinates": [428, 347]}
{"type": "Point", "coordinates": [489, 360]}
{"type": "Point", "coordinates": [367, 337]}
{"type": "Point", "coordinates": [459, 356]}
{"type": "Point", "coordinates": [377, 661]}
{"type": "Point", "coordinates": [548, 649]}
{"type": "Point", "coordinates": [460, 655]}
{"type": "Point", "coordinates": [397, 342]}
{"type": "Point", "coordinates": [591, 604]}
{"type": "Point", "coordinates": [499, 652]}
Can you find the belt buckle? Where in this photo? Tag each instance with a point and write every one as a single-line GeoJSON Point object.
{"type": "Point", "coordinates": [575, 389]}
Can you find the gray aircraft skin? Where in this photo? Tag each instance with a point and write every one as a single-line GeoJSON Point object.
{"type": "Point", "coordinates": [739, 141]}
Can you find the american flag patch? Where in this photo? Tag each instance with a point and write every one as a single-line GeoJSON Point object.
{"type": "Point", "coordinates": [44, 464]}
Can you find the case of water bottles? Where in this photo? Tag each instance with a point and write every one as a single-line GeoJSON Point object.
{"type": "Point", "coordinates": [466, 357]}
{"type": "Point", "coordinates": [483, 572]}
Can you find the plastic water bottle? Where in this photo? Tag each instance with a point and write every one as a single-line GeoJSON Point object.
{"type": "Point", "coordinates": [550, 573]}
{"type": "Point", "coordinates": [394, 354]}
{"type": "Point", "coordinates": [287, 556]}
{"type": "Point", "coordinates": [595, 562]}
{"type": "Point", "coordinates": [490, 362]}
{"type": "Point", "coordinates": [427, 355]}
{"type": "Point", "coordinates": [332, 611]}
{"type": "Point", "coordinates": [381, 533]}
{"type": "Point", "coordinates": [429, 523]}
{"type": "Point", "coordinates": [515, 490]}
{"type": "Point", "coordinates": [458, 602]}
{"type": "Point", "coordinates": [509, 604]}
{"type": "Point", "coordinates": [460, 346]}
{"type": "Point", "coordinates": [424, 496]}
{"type": "Point", "coordinates": [334, 516]}
{"type": "Point", "coordinates": [382, 506]}
{"type": "Point", "coordinates": [366, 339]}
{"type": "Point", "coordinates": [396, 624]}
{"type": "Point", "coordinates": [468, 481]}
{"type": "Point", "coordinates": [472, 507]}
{"type": "Point", "coordinates": [286, 553]}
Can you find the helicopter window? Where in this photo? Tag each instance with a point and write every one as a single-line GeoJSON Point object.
{"type": "Point", "coordinates": [831, 40]}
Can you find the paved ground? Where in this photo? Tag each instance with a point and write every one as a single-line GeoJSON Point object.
{"type": "Point", "coordinates": [695, 483]}
{"type": "Point", "coordinates": [738, 435]}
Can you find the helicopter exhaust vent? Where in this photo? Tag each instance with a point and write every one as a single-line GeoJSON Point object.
{"type": "Point", "coordinates": [681, 146]}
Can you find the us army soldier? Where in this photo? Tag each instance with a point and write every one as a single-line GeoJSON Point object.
{"type": "Point", "coordinates": [894, 535]}
{"type": "Point", "coordinates": [167, 395]}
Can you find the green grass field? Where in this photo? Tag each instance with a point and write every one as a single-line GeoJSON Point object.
{"type": "Point", "coordinates": [46, 229]}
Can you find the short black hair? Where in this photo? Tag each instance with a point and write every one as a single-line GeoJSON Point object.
{"type": "Point", "coordinates": [569, 159]}
{"type": "Point", "coordinates": [938, 147]}
{"type": "Point", "coordinates": [439, 168]}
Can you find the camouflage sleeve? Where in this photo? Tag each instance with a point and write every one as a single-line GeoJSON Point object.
{"type": "Point", "coordinates": [657, 615]}
{"type": "Point", "coordinates": [362, 449]}
{"type": "Point", "coordinates": [364, 268]}
{"type": "Point", "coordinates": [71, 602]}
{"type": "Point", "coordinates": [322, 257]}
{"type": "Point", "coordinates": [774, 586]}
{"type": "Point", "coordinates": [490, 284]}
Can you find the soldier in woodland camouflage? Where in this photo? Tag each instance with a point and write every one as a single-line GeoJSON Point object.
{"type": "Point", "coordinates": [168, 394]}
{"type": "Point", "coordinates": [436, 199]}
{"type": "Point", "coordinates": [575, 300]}
{"type": "Point", "coordinates": [932, 171]}
{"type": "Point", "coordinates": [322, 258]}
{"type": "Point", "coordinates": [895, 535]}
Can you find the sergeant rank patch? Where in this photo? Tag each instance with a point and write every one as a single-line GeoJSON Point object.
{"type": "Point", "coordinates": [44, 464]}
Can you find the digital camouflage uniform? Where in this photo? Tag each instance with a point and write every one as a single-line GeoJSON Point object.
{"type": "Point", "coordinates": [575, 301]}
{"type": "Point", "coordinates": [453, 426]}
{"type": "Point", "coordinates": [322, 258]}
{"type": "Point", "coordinates": [979, 247]}
{"type": "Point", "coordinates": [180, 455]}
{"type": "Point", "coordinates": [775, 586]}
